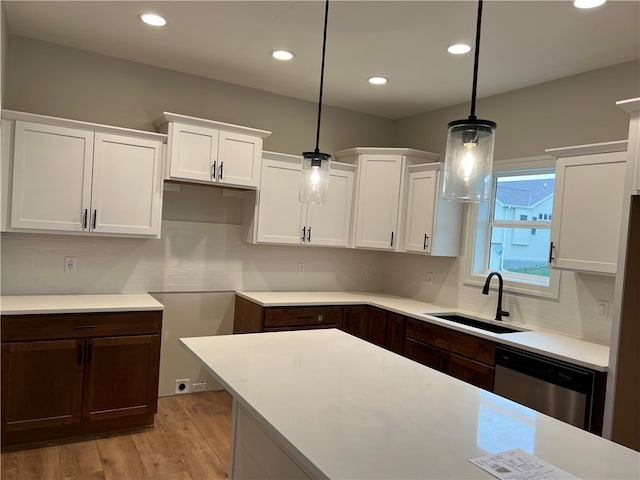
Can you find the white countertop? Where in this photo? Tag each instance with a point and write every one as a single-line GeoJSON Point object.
{"type": "Point", "coordinates": [554, 345]}
{"type": "Point", "coordinates": [41, 304]}
{"type": "Point", "coordinates": [345, 408]}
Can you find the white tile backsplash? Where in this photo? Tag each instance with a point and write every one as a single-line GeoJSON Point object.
{"type": "Point", "coordinates": [190, 256]}
{"type": "Point", "coordinates": [211, 257]}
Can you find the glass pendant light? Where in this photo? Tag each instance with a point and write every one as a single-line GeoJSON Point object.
{"type": "Point", "coordinates": [469, 153]}
{"type": "Point", "coordinates": [315, 165]}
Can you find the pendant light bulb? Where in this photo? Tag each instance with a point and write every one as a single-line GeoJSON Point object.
{"type": "Point", "coordinates": [469, 151]}
{"type": "Point", "coordinates": [315, 165]}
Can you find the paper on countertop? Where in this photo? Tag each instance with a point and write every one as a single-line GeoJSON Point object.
{"type": "Point", "coordinates": [517, 464]}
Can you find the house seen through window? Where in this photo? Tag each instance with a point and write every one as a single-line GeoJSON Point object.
{"type": "Point", "coordinates": [513, 231]}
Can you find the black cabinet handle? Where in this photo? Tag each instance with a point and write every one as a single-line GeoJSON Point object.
{"type": "Point", "coordinates": [89, 352]}
{"type": "Point", "coordinates": [221, 167]}
{"type": "Point", "coordinates": [424, 245]}
{"type": "Point", "coordinates": [392, 239]}
{"type": "Point", "coordinates": [80, 354]}
{"type": "Point", "coordinates": [304, 233]}
{"type": "Point", "coordinates": [551, 259]}
{"type": "Point", "coordinates": [84, 219]}
{"type": "Point", "coordinates": [95, 218]}
{"type": "Point", "coordinates": [84, 327]}
{"type": "Point", "coordinates": [309, 235]}
{"type": "Point", "coordinates": [214, 170]}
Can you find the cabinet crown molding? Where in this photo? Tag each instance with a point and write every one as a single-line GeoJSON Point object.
{"type": "Point", "coordinates": [629, 105]}
{"type": "Point", "coordinates": [65, 122]}
{"type": "Point", "coordinates": [589, 149]}
{"type": "Point", "coordinates": [167, 117]}
{"type": "Point", "coordinates": [409, 152]}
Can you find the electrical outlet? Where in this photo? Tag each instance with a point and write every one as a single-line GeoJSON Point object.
{"type": "Point", "coordinates": [198, 387]}
{"type": "Point", "coordinates": [182, 386]}
{"type": "Point", "coordinates": [301, 269]}
{"type": "Point", "coordinates": [69, 264]}
{"type": "Point", "coordinates": [429, 277]}
{"type": "Point", "coordinates": [603, 309]}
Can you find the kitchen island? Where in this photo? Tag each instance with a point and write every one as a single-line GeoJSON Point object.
{"type": "Point", "coordinates": [324, 404]}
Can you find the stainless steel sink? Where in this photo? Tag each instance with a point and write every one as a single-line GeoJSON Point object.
{"type": "Point", "coordinates": [491, 327]}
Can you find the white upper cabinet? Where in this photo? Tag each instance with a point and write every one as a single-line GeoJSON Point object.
{"type": "Point", "coordinates": [281, 216]}
{"type": "Point", "coordinates": [127, 185]}
{"type": "Point", "coordinates": [587, 206]}
{"type": "Point", "coordinates": [78, 177]}
{"type": "Point", "coordinates": [283, 219]}
{"type": "Point", "coordinates": [380, 187]}
{"type": "Point", "coordinates": [52, 170]}
{"type": "Point", "coordinates": [205, 151]}
{"type": "Point", "coordinates": [432, 223]}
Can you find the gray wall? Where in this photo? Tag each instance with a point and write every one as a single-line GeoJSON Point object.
{"type": "Point", "coordinates": [59, 81]}
{"type": "Point", "coordinates": [573, 110]}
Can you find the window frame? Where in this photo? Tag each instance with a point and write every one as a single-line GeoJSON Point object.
{"type": "Point", "coordinates": [479, 232]}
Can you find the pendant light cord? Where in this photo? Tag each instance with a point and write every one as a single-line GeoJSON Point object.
{"type": "Point", "coordinates": [324, 48]}
{"type": "Point", "coordinates": [475, 63]}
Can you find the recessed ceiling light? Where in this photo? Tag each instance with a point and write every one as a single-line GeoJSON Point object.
{"type": "Point", "coordinates": [153, 19]}
{"type": "Point", "coordinates": [459, 48]}
{"type": "Point", "coordinates": [588, 3]}
{"type": "Point", "coordinates": [378, 80]}
{"type": "Point", "coordinates": [284, 55]}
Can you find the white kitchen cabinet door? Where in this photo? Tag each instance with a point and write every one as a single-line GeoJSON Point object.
{"type": "Point", "coordinates": [330, 223]}
{"type": "Point", "coordinates": [239, 159]}
{"type": "Point", "coordinates": [432, 223]}
{"type": "Point", "coordinates": [127, 186]}
{"type": "Point", "coordinates": [377, 202]}
{"type": "Point", "coordinates": [421, 207]}
{"type": "Point", "coordinates": [206, 151]}
{"type": "Point", "coordinates": [51, 177]}
{"type": "Point", "coordinates": [281, 216]}
{"type": "Point", "coordinates": [193, 152]}
{"type": "Point", "coordinates": [587, 210]}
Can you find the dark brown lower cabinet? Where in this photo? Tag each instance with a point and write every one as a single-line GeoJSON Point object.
{"type": "Point", "coordinates": [382, 328]}
{"type": "Point", "coordinates": [462, 356]}
{"type": "Point", "coordinates": [356, 321]}
{"type": "Point", "coordinates": [55, 387]}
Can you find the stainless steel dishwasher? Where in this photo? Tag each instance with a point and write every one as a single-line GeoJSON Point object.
{"type": "Point", "coordinates": [550, 386]}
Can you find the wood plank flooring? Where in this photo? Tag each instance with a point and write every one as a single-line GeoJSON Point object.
{"type": "Point", "coordinates": [190, 441]}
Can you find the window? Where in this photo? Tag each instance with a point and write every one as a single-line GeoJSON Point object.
{"type": "Point", "coordinates": [513, 231]}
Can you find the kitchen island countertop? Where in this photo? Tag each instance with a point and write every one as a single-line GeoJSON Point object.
{"type": "Point", "coordinates": [550, 344]}
{"type": "Point", "coordinates": [340, 407]}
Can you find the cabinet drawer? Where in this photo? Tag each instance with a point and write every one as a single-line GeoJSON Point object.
{"type": "Point", "coordinates": [470, 371]}
{"type": "Point", "coordinates": [79, 325]}
{"type": "Point", "coordinates": [424, 354]}
{"type": "Point", "coordinates": [294, 316]}
{"type": "Point", "coordinates": [473, 347]}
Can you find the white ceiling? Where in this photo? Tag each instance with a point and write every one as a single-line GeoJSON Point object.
{"type": "Point", "coordinates": [523, 43]}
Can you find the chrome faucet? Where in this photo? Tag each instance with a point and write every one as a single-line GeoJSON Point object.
{"type": "Point", "coordinates": [485, 291]}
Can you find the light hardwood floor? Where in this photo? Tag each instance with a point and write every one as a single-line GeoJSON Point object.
{"type": "Point", "coordinates": [191, 440]}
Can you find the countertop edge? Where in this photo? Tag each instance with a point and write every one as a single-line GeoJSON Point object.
{"type": "Point", "coordinates": [12, 305]}
{"type": "Point", "coordinates": [378, 301]}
